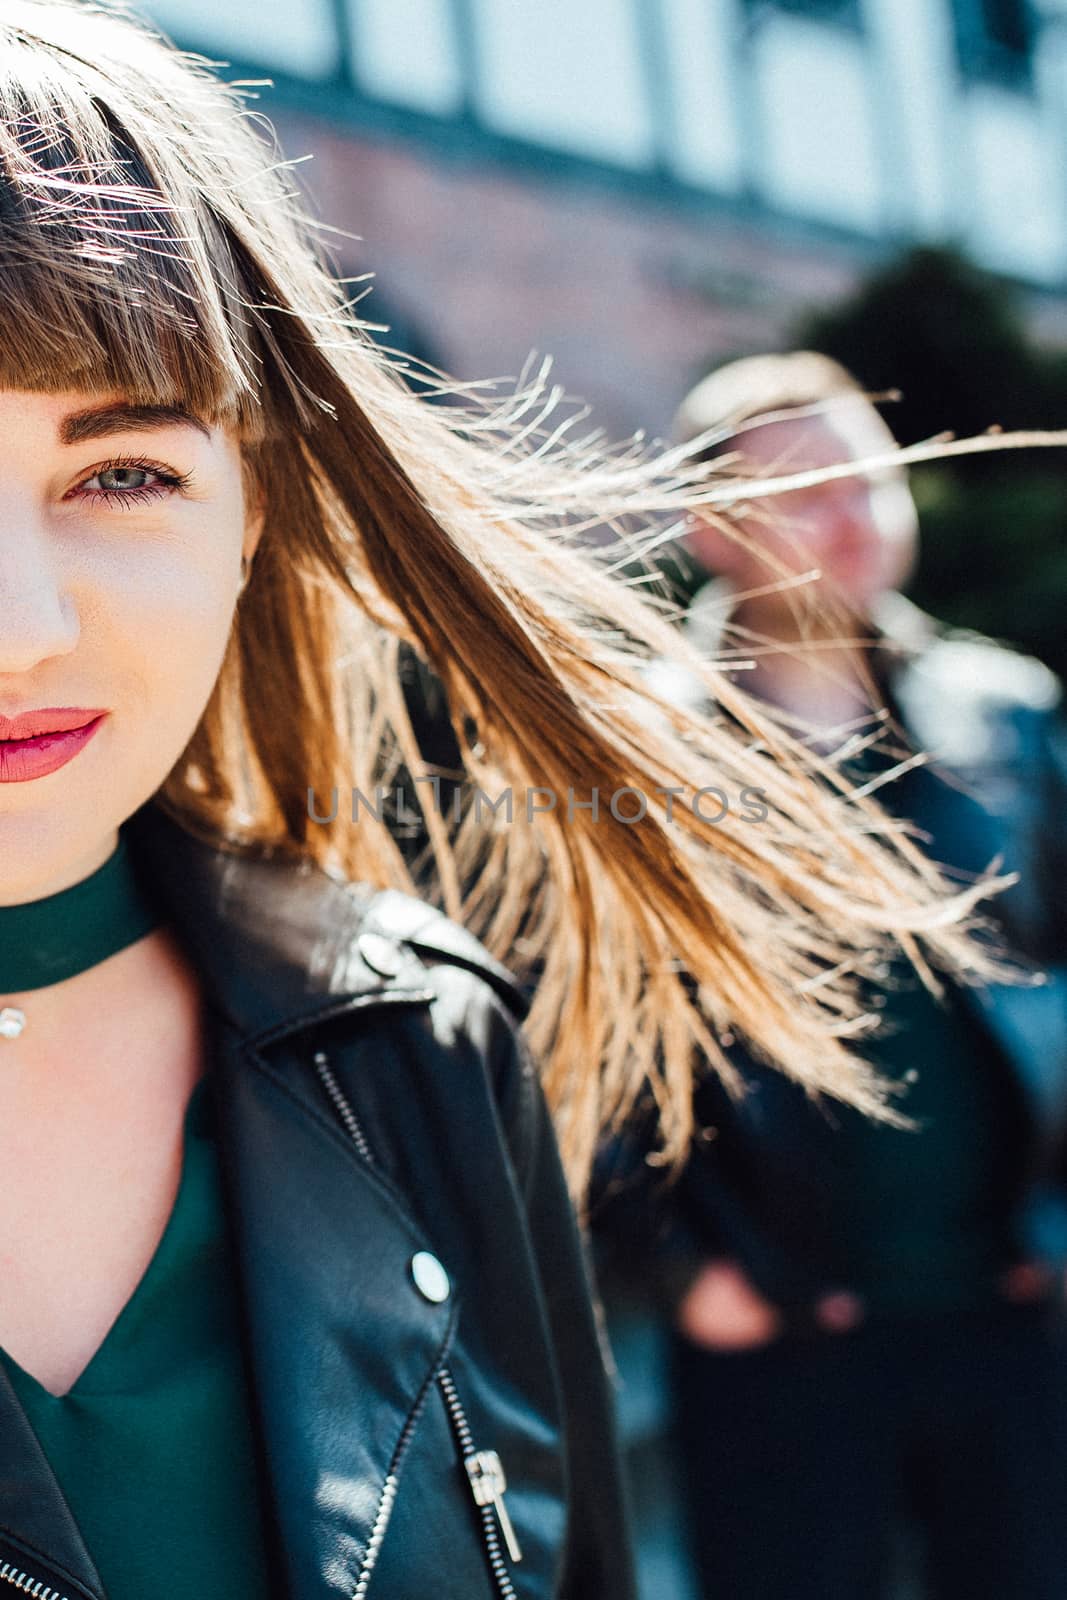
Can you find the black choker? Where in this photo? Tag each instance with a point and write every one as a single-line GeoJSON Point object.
{"type": "Point", "coordinates": [45, 941]}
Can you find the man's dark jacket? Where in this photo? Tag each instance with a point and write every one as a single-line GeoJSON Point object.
{"type": "Point", "coordinates": [374, 1101]}
{"type": "Point", "coordinates": [997, 785]}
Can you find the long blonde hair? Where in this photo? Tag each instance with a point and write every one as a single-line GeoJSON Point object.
{"type": "Point", "coordinates": [151, 243]}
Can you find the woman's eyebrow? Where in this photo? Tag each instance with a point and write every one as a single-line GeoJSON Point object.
{"type": "Point", "coordinates": [98, 421]}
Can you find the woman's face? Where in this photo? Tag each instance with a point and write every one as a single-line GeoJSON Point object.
{"type": "Point", "coordinates": [121, 536]}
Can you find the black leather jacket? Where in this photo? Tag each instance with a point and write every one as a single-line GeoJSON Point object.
{"type": "Point", "coordinates": [377, 1107]}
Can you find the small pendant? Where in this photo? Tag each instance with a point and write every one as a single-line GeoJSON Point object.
{"type": "Point", "coordinates": [12, 1022]}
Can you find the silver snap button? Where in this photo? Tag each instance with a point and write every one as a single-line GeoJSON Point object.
{"type": "Point", "coordinates": [380, 953]}
{"type": "Point", "coordinates": [431, 1279]}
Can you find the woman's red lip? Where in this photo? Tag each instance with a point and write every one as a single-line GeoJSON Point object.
{"type": "Point", "coordinates": [23, 759]}
{"type": "Point", "coordinates": [47, 720]}
{"type": "Point", "coordinates": [42, 733]}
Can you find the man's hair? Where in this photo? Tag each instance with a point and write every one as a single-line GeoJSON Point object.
{"type": "Point", "coordinates": [757, 386]}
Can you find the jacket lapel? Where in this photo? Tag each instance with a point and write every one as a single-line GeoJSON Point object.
{"type": "Point", "coordinates": [342, 1347]}
{"type": "Point", "coordinates": [38, 1534]}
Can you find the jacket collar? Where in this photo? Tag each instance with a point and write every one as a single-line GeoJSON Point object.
{"type": "Point", "coordinates": [275, 941]}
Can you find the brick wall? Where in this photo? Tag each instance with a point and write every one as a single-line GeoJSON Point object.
{"type": "Point", "coordinates": [479, 263]}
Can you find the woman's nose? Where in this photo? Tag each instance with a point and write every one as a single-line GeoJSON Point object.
{"type": "Point", "coordinates": [37, 616]}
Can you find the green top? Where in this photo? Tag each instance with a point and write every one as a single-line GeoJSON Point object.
{"type": "Point", "coordinates": [153, 1446]}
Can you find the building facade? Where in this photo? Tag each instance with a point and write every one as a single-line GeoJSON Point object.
{"type": "Point", "coordinates": [638, 188]}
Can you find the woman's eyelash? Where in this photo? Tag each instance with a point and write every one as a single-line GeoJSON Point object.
{"type": "Point", "coordinates": [167, 482]}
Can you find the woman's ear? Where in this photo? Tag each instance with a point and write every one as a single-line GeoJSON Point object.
{"type": "Point", "coordinates": [255, 516]}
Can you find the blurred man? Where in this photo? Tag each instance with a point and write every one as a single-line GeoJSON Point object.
{"type": "Point", "coordinates": [868, 1322]}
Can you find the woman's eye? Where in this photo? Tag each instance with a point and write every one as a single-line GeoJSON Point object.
{"type": "Point", "coordinates": [124, 477]}
{"type": "Point", "coordinates": [126, 482]}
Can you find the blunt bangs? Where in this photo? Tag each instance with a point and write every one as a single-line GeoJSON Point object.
{"type": "Point", "coordinates": [117, 273]}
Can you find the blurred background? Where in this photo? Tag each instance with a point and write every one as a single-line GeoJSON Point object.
{"type": "Point", "coordinates": [642, 189]}
{"type": "Point", "coordinates": [645, 189]}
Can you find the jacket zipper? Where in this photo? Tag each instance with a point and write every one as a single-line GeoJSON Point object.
{"type": "Point", "coordinates": [384, 1509]}
{"type": "Point", "coordinates": [22, 1580]}
{"type": "Point", "coordinates": [487, 1481]}
{"type": "Point", "coordinates": [485, 1472]}
{"type": "Point", "coordinates": [344, 1110]}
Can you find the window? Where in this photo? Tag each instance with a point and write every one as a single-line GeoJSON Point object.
{"type": "Point", "coordinates": [568, 74]}
{"type": "Point", "coordinates": [846, 12]}
{"type": "Point", "coordinates": [299, 38]}
{"type": "Point", "coordinates": [995, 39]}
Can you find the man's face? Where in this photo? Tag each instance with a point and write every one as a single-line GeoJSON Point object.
{"type": "Point", "coordinates": [121, 535]}
{"type": "Point", "coordinates": [859, 532]}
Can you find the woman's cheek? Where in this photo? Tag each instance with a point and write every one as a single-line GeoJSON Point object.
{"type": "Point", "coordinates": [176, 627]}
{"type": "Point", "coordinates": [192, 622]}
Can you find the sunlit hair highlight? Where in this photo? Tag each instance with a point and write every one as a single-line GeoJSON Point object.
{"type": "Point", "coordinates": [152, 245]}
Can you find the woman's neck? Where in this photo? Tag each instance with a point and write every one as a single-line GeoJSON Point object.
{"type": "Point", "coordinates": [127, 1008]}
